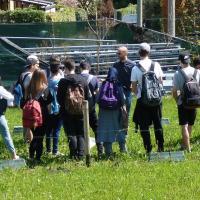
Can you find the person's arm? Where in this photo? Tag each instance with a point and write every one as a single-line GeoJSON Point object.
{"type": "Point", "coordinates": [6, 95]}
{"type": "Point", "coordinates": [160, 73]}
{"type": "Point", "coordinates": [175, 88]}
{"type": "Point", "coordinates": [134, 87]}
{"type": "Point", "coordinates": [134, 81]}
{"type": "Point", "coordinates": [175, 94]}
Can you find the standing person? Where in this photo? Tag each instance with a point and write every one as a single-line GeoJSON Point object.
{"type": "Point", "coordinates": [111, 99]}
{"type": "Point", "coordinates": [144, 114]}
{"type": "Point", "coordinates": [72, 90]}
{"type": "Point", "coordinates": [93, 84]}
{"type": "Point", "coordinates": [124, 67]}
{"type": "Point", "coordinates": [25, 77]}
{"type": "Point", "coordinates": [24, 81]}
{"type": "Point", "coordinates": [54, 120]}
{"type": "Point", "coordinates": [6, 99]}
{"type": "Point", "coordinates": [38, 90]}
{"type": "Point", "coordinates": [186, 115]}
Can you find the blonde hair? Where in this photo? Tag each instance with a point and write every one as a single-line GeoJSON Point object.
{"type": "Point", "coordinates": [37, 84]}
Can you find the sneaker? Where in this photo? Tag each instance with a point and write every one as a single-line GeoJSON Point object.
{"type": "Point", "coordinates": [58, 154]}
{"type": "Point", "coordinates": [16, 158]}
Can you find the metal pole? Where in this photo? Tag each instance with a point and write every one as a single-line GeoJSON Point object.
{"type": "Point", "coordinates": [171, 17]}
{"type": "Point", "coordinates": [86, 132]}
{"type": "Point", "coordinates": [139, 13]}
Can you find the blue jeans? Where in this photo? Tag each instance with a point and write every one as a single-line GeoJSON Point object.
{"type": "Point", "coordinates": [129, 97]}
{"type": "Point", "coordinates": [53, 131]}
{"type": "Point", "coordinates": [108, 148]}
{"type": "Point", "coordinates": [6, 134]}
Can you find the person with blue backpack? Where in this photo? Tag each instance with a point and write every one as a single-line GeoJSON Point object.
{"type": "Point", "coordinates": [110, 127]}
{"type": "Point", "coordinates": [54, 119]}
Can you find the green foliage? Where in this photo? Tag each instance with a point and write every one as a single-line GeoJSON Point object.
{"type": "Point", "coordinates": [122, 4]}
{"type": "Point", "coordinates": [26, 15]}
{"type": "Point", "coordinates": [63, 15]}
{"type": "Point", "coordinates": [126, 177]}
{"type": "Point", "coordinates": [152, 14]}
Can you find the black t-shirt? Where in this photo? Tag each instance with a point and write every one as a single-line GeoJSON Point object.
{"type": "Point", "coordinates": [124, 70]}
{"type": "Point", "coordinates": [64, 83]}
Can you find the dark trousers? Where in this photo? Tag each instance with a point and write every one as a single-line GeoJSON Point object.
{"type": "Point", "coordinates": [36, 145]}
{"type": "Point", "coordinates": [74, 130]}
{"type": "Point", "coordinates": [146, 116]}
{"type": "Point", "coordinates": [145, 133]}
{"type": "Point", "coordinates": [76, 146]}
{"type": "Point", "coordinates": [53, 132]}
{"type": "Point", "coordinates": [93, 120]}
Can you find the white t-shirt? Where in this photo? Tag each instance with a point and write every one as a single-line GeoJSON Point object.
{"type": "Point", "coordinates": [4, 94]}
{"type": "Point", "coordinates": [136, 75]}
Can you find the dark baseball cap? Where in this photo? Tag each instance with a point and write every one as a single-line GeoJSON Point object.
{"type": "Point", "coordinates": [184, 58]}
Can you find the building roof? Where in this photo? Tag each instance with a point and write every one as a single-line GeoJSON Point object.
{"type": "Point", "coordinates": [40, 2]}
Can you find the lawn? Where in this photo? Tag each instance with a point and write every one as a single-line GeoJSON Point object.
{"type": "Point", "coordinates": [126, 177]}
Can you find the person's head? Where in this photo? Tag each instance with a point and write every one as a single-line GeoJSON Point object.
{"type": "Point", "coordinates": [184, 59]}
{"type": "Point", "coordinates": [144, 50]}
{"type": "Point", "coordinates": [32, 62]}
{"type": "Point", "coordinates": [197, 63]}
{"type": "Point", "coordinates": [122, 53]}
{"type": "Point", "coordinates": [54, 64]}
{"type": "Point", "coordinates": [69, 66]}
{"type": "Point", "coordinates": [37, 84]}
{"type": "Point", "coordinates": [84, 66]}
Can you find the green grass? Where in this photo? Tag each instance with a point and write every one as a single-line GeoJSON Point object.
{"type": "Point", "coordinates": [127, 177]}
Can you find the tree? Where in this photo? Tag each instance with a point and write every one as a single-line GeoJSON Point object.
{"type": "Point", "coordinates": [187, 17]}
{"type": "Point", "coordinates": [98, 14]}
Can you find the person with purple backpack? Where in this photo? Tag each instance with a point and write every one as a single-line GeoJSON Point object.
{"type": "Point", "coordinates": [110, 127]}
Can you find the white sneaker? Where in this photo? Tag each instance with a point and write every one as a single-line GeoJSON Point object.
{"type": "Point", "coordinates": [58, 154]}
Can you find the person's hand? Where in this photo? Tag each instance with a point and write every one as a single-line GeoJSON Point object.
{"type": "Point", "coordinates": [29, 135]}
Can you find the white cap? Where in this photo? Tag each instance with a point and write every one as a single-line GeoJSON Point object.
{"type": "Point", "coordinates": [32, 60]}
{"type": "Point", "coordinates": [145, 46]}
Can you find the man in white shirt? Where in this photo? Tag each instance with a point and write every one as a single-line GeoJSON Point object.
{"type": "Point", "coordinates": [145, 116]}
{"type": "Point", "coordinates": [186, 116]}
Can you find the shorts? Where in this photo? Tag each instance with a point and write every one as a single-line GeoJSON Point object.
{"type": "Point", "coordinates": [186, 116]}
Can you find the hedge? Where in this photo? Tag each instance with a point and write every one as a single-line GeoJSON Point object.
{"type": "Point", "coordinates": [25, 15]}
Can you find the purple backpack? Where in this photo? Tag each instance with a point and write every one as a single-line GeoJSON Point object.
{"type": "Point", "coordinates": [109, 97]}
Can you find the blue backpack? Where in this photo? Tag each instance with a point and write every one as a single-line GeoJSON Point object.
{"type": "Point", "coordinates": [109, 96]}
{"type": "Point", "coordinates": [53, 87]}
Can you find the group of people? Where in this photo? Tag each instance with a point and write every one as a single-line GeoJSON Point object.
{"type": "Point", "coordinates": [59, 97]}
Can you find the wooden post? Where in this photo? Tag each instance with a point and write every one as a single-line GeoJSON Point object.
{"type": "Point", "coordinates": [86, 132]}
{"type": "Point", "coordinates": [139, 13]}
{"type": "Point", "coordinates": [171, 18]}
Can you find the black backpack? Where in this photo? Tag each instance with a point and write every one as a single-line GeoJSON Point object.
{"type": "Point", "coordinates": [151, 94]}
{"type": "Point", "coordinates": [191, 91]}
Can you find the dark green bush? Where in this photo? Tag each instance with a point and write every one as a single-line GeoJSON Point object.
{"type": "Point", "coordinates": [26, 15]}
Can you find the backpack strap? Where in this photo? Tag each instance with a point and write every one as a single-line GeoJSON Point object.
{"type": "Point", "coordinates": [195, 74]}
{"type": "Point", "coordinates": [90, 77]}
{"type": "Point", "coordinates": [152, 66]}
{"type": "Point", "coordinates": [184, 75]}
{"type": "Point", "coordinates": [144, 70]}
{"type": "Point", "coordinates": [24, 78]}
{"type": "Point", "coordinates": [141, 68]}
